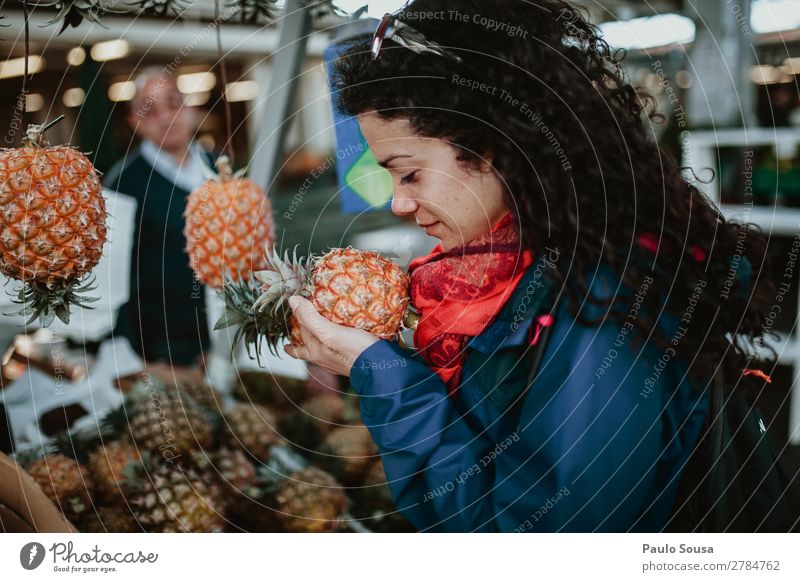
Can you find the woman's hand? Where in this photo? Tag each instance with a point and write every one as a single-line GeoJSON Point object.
{"type": "Point", "coordinates": [331, 346]}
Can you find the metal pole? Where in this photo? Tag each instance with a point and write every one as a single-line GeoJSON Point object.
{"type": "Point", "coordinates": [277, 99]}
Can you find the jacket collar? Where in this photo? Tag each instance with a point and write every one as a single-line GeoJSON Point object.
{"type": "Point", "coordinates": [511, 326]}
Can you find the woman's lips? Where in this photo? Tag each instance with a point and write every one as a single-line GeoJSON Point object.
{"type": "Point", "coordinates": [429, 226]}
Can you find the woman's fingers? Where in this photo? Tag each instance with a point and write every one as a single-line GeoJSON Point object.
{"type": "Point", "coordinates": [298, 352]}
{"type": "Point", "coordinates": [307, 316]}
{"type": "Point", "coordinates": [334, 347]}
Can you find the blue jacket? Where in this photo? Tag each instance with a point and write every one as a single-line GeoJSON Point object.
{"type": "Point", "coordinates": [597, 443]}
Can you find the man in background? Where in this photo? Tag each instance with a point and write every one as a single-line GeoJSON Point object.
{"type": "Point", "coordinates": [165, 319]}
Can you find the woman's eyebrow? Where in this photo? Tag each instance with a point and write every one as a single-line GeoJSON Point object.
{"type": "Point", "coordinates": [385, 163]}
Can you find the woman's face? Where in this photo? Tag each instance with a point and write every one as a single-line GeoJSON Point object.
{"type": "Point", "coordinates": [451, 201]}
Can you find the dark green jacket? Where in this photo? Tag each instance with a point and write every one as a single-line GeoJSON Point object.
{"type": "Point", "coordinates": [165, 318]}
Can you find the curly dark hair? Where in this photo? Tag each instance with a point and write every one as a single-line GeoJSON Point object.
{"type": "Point", "coordinates": [568, 137]}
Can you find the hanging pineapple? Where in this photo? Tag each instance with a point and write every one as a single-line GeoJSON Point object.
{"type": "Point", "coordinates": [228, 223]}
{"type": "Point", "coordinates": [347, 286]}
{"type": "Point", "coordinates": [52, 225]}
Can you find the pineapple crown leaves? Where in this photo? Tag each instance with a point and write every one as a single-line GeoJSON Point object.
{"type": "Point", "coordinates": [136, 474]}
{"type": "Point", "coordinates": [281, 279]}
{"type": "Point", "coordinates": [257, 11]}
{"type": "Point", "coordinates": [116, 421]}
{"type": "Point", "coordinates": [161, 7]}
{"type": "Point", "coordinates": [144, 391]}
{"type": "Point", "coordinates": [239, 297]}
{"type": "Point", "coordinates": [141, 390]}
{"type": "Point", "coordinates": [281, 464]}
{"type": "Point", "coordinates": [79, 444]}
{"type": "Point", "coordinates": [259, 308]}
{"type": "Point", "coordinates": [27, 456]}
{"type": "Point", "coordinates": [254, 11]}
{"type": "Point", "coordinates": [73, 12]}
{"type": "Point", "coordinates": [45, 303]}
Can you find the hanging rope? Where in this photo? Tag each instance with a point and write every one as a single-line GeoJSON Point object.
{"type": "Point", "coordinates": [223, 73]}
{"type": "Point", "coordinates": [24, 96]}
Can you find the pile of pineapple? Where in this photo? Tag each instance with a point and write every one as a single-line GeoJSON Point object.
{"type": "Point", "coordinates": [173, 458]}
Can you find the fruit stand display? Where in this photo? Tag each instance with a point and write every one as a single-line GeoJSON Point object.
{"type": "Point", "coordinates": [173, 458]}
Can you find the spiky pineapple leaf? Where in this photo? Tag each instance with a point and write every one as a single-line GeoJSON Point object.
{"type": "Point", "coordinates": [45, 303]}
{"type": "Point", "coordinates": [239, 299]}
{"type": "Point", "coordinates": [76, 444]}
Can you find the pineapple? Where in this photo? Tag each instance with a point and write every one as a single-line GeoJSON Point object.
{"type": "Point", "coordinates": [107, 465]}
{"type": "Point", "coordinates": [193, 383]}
{"type": "Point", "coordinates": [347, 452]}
{"type": "Point", "coordinates": [306, 427]}
{"type": "Point", "coordinates": [65, 482]}
{"type": "Point", "coordinates": [374, 502]}
{"type": "Point", "coordinates": [310, 501]}
{"type": "Point", "coordinates": [228, 222]}
{"type": "Point", "coordinates": [250, 427]}
{"type": "Point", "coordinates": [116, 518]}
{"type": "Point", "coordinates": [348, 286]}
{"type": "Point", "coordinates": [230, 470]}
{"type": "Point", "coordinates": [52, 225]}
{"type": "Point", "coordinates": [266, 388]}
{"type": "Point", "coordinates": [169, 423]}
{"type": "Point", "coordinates": [171, 498]}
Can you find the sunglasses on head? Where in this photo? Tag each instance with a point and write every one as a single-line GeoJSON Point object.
{"type": "Point", "coordinates": [391, 28]}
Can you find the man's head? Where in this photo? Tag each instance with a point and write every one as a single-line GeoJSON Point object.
{"type": "Point", "coordinates": [157, 111]}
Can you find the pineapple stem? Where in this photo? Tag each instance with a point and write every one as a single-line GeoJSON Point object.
{"type": "Point", "coordinates": [224, 168]}
{"type": "Point", "coordinates": [26, 73]}
{"type": "Point", "coordinates": [34, 134]}
{"type": "Point", "coordinates": [224, 76]}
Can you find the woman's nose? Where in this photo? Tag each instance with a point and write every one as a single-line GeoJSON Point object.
{"type": "Point", "coordinates": [403, 205]}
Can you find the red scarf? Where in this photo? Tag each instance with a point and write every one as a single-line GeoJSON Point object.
{"type": "Point", "coordinates": [459, 293]}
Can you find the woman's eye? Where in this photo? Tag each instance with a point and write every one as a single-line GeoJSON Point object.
{"type": "Point", "coordinates": [408, 178]}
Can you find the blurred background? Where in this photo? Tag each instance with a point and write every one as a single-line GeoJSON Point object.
{"type": "Point", "coordinates": [725, 74]}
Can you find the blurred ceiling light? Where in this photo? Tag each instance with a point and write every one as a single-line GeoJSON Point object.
{"type": "Point", "coordinates": [111, 49]}
{"type": "Point", "coordinates": [16, 67]}
{"type": "Point", "coordinates": [683, 79]}
{"type": "Point", "coordinates": [241, 91]}
{"type": "Point", "coordinates": [768, 75]}
{"type": "Point", "coordinates": [196, 99]}
{"type": "Point", "coordinates": [792, 65]}
{"type": "Point", "coordinates": [34, 102]}
{"type": "Point", "coordinates": [73, 97]}
{"type": "Point", "coordinates": [650, 31]}
{"type": "Point", "coordinates": [774, 15]}
{"type": "Point", "coordinates": [122, 91]}
{"type": "Point", "coordinates": [76, 56]}
{"type": "Point", "coordinates": [196, 82]}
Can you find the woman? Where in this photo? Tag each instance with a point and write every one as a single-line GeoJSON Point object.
{"type": "Point", "coordinates": [525, 154]}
